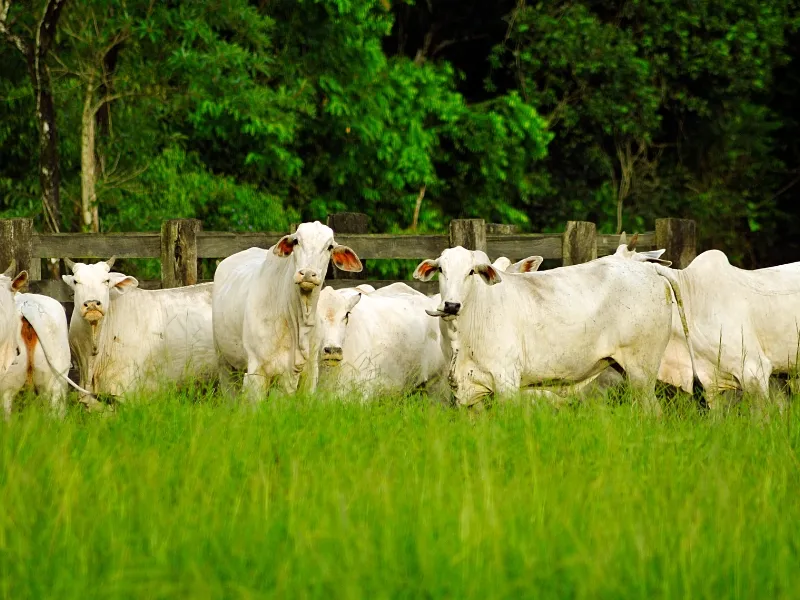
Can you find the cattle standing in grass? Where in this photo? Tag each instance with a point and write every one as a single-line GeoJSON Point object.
{"type": "Point", "coordinates": [265, 304]}
{"type": "Point", "coordinates": [34, 349]}
{"type": "Point", "coordinates": [126, 339]}
{"type": "Point", "coordinates": [559, 326]}
{"type": "Point", "coordinates": [379, 341]}
{"type": "Point", "coordinates": [744, 326]}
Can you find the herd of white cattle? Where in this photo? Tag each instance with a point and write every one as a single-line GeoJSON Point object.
{"type": "Point", "coordinates": [494, 328]}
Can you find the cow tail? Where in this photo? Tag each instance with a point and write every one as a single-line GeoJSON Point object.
{"type": "Point", "coordinates": [61, 375]}
{"type": "Point", "coordinates": [669, 275]}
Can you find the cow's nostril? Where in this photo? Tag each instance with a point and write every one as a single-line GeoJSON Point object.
{"type": "Point", "coordinates": [332, 350]}
{"type": "Point", "coordinates": [452, 308]}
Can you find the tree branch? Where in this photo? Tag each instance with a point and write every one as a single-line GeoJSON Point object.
{"type": "Point", "coordinates": [14, 40]}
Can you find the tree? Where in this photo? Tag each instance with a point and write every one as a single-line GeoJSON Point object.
{"type": "Point", "coordinates": [35, 47]}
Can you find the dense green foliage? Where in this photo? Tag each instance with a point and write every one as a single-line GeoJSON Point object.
{"type": "Point", "coordinates": [252, 115]}
{"type": "Point", "coordinates": [307, 498]}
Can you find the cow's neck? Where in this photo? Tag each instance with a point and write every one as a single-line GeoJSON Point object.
{"type": "Point", "coordinates": [298, 308]}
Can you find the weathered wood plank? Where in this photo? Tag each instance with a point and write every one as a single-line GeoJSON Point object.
{"type": "Point", "coordinates": [426, 287]}
{"type": "Point", "coordinates": [523, 245]}
{"type": "Point", "coordinates": [97, 245]}
{"type": "Point", "coordinates": [62, 292]}
{"type": "Point", "coordinates": [220, 244]}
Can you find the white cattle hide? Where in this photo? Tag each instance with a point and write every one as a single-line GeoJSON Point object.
{"type": "Point", "coordinates": [559, 326]}
{"type": "Point", "coordinates": [265, 304]}
{"type": "Point", "coordinates": [377, 342]}
{"type": "Point", "coordinates": [126, 339]}
{"type": "Point", "coordinates": [744, 326]}
{"type": "Point", "coordinates": [33, 334]}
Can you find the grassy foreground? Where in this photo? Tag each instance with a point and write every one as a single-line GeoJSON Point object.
{"type": "Point", "coordinates": [303, 498]}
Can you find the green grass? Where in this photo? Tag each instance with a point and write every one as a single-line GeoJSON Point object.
{"type": "Point", "coordinates": [305, 498]}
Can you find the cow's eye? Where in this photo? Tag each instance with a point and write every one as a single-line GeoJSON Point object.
{"type": "Point", "coordinates": [346, 318]}
{"type": "Point", "coordinates": [472, 271]}
{"type": "Point", "coordinates": [330, 248]}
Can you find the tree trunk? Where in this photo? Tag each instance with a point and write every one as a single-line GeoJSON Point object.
{"type": "Point", "coordinates": [89, 213]}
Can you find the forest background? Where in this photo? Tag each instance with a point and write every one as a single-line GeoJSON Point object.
{"type": "Point", "coordinates": [252, 114]}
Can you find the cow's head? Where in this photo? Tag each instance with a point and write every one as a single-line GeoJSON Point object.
{"type": "Point", "coordinates": [627, 250]}
{"type": "Point", "coordinates": [95, 287]}
{"type": "Point", "coordinates": [333, 314]}
{"type": "Point", "coordinates": [457, 268]}
{"type": "Point", "coordinates": [311, 247]}
{"type": "Point", "coordinates": [10, 283]}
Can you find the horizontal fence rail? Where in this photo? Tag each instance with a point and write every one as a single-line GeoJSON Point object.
{"type": "Point", "coordinates": [182, 242]}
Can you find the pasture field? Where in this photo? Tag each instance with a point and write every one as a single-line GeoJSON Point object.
{"type": "Point", "coordinates": [306, 498]}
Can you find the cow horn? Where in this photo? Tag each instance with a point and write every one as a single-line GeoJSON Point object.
{"type": "Point", "coordinates": [623, 239]}
{"type": "Point", "coordinates": [632, 243]}
{"type": "Point", "coordinates": [110, 261]}
{"type": "Point", "coordinates": [70, 264]}
{"type": "Point", "coordinates": [11, 268]}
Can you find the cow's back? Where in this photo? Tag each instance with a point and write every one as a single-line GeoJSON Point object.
{"type": "Point", "coordinates": [391, 342]}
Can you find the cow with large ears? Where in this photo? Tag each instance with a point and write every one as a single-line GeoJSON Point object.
{"type": "Point", "coordinates": [562, 326]}
{"type": "Point", "coordinates": [126, 339]}
{"type": "Point", "coordinates": [265, 304]}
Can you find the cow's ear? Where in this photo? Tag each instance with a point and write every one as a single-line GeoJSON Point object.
{"type": "Point", "coordinates": [69, 280]}
{"type": "Point", "coordinates": [20, 281]}
{"type": "Point", "coordinates": [125, 284]}
{"type": "Point", "coordinates": [345, 259]}
{"type": "Point", "coordinates": [653, 256]}
{"type": "Point", "coordinates": [351, 303]}
{"type": "Point", "coordinates": [526, 265]}
{"type": "Point", "coordinates": [426, 269]}
{"type": "Point", "coordinates": [285, 245]}
{"type": "Point", "coordinates": [488, 273]}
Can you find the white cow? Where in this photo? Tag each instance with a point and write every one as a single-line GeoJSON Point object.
{"type": "Point", "coordinates": [560, 326]}
{"type": "Point", "coordinates": [265, 304]}
{"type": "Point", "coordinates": [126, 339]}
{"type": "Point", "coordinates": [34, 349]}
{"type": "Point", "coordinates": [377, 342]}
{"type": "Point", "coordinates": [744, 326]}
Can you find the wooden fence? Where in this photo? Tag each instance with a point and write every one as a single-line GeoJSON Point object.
{"type": "Point", "coordinates": [182, 242]}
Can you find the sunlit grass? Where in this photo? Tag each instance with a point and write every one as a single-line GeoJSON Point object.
{"type": "Point", "coordinates": [175, 498]}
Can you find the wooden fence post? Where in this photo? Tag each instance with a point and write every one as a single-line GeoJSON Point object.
{"type": "Point", "coordinates": [179, 252]}
{"type": "Point", "coordinates": [348, 222]}
{"type": "Point", "coordinates": [16, 241]}
{"type": "Point", "coordinates": [679, 238]}
{"type": "Point", "coordinates": [579, 243]}
{"type": "Point", "coordinates": [468, 233]}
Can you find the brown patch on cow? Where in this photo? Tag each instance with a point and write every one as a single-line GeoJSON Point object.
{"type": "Point", "coordinates": [30, 339]}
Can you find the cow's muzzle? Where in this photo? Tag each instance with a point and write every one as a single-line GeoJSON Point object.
{"type": "Point", "coordinates": [450, 309]}
{"type": "Point", "coordinates": [92, 311]}
{"type": "Point", "coordinates": [307, 279]}
{"type": "Point", "coordinates": [332, 355]}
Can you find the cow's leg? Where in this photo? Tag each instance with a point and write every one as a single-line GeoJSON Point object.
{"type": "Point", "coordinates": [641, 371]}
{"type": "Point", "coordinates": [226, 379]}
{"type": "Point", "coordinates": [48, 383]}
{"type": "Point", "coordinates": [255, 386]}
{"type": "Point", "coordinates": [12, 382]}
